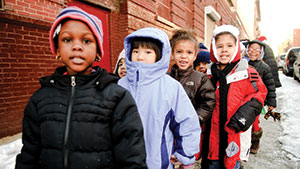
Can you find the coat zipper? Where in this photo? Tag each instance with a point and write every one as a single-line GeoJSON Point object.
{"type": "Point", "coordinates": [70, 106]}
{"type": "Point", "coordinates": [137, 76]}
{"type": "Point", "coordinates": [137, 85]}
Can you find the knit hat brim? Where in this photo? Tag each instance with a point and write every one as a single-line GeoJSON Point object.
{"type": "Point", "coordinates": [76, 13]}
{"type": "Point", "coordinates": [202, 56]}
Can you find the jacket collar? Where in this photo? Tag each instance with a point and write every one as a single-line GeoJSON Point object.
{"type": "Point", "coordinates": [178, 73]}
{"type": "Point", "coordinates": [99, 78]}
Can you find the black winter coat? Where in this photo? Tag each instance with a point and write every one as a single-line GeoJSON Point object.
{"type": "Point", "coordinates": [269, 59]}
{"type": "Point", "coordinates": [265, 73]}
{"type": "Point", "coordinates": [82, 121]}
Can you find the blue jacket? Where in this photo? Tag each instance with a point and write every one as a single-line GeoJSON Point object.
{"type": "Point", "coordinates": [165, 109]}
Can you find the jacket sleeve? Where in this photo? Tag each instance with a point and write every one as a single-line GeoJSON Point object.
{"type": "Point", "coordinates": [270, 84]}
{"type": "Point", "coordinates": [30, 152]}
{"type": "Point", "coordinates": [186, 128]}
{"type": "Point", "coordinates": [269, 59]}
{"type": "Point", "coordinates": [205, 99]}
{"type": "Point", "coordinates": [127, 134]}
{"type": "Point", "coordinates": [247, 113]}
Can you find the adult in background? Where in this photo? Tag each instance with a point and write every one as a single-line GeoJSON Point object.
{"type": "Point", "coordinates": [270, 60]}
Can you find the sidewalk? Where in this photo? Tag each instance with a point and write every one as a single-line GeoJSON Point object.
{"type": "Point", "coordinates": [270, 154]}
{"type": "Point", "coordinates": [9, 139]}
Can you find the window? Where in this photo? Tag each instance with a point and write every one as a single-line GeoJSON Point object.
{"type": "Point", "coordinates": [1, 5]}
{"type": "Point", "coordinates": [164, 9]}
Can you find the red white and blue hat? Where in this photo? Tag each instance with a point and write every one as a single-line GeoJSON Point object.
{"type": "Point", "coordinates": [76, 13]}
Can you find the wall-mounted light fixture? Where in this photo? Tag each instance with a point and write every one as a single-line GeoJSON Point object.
{"type": "Point", "coordinates": [212, 13]}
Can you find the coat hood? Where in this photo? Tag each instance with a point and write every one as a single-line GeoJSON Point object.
{"type": "Point", "coordinates": [121, 56]}
{"type": "Point", "coordinates": [144, 72]}
{"type": "Point", "coordinates": [213, 50]}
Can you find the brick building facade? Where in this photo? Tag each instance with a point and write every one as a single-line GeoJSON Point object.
{"type": "Point", "coordinates": [296, 37]}
{"type": "Point", "coordinates": [24, 46]}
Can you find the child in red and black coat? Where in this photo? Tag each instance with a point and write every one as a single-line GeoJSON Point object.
{"type": "Point", "coordinates": [240, 94]}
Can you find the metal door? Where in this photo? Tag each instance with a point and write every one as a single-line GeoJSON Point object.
{"type": "Point", "coordinates": [103, 15]}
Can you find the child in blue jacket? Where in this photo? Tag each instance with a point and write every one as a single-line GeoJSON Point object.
{"type": "Point", "coordinates": [167, 114]}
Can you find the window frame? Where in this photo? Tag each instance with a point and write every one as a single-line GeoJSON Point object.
{"type": "Point", "coordinates": [2, 5]}
{"type": "Point", "coordinates": [167, 6]}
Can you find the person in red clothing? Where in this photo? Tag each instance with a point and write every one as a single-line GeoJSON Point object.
{"type": "Point", "coordinates": [240, 94]}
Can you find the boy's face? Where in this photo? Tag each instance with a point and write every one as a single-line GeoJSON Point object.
{"type": "Point", "coordinates": [225, 45]}
{"type": "Point", "coordinates": [77, 47]}
{"type": "Point", "coordinates": [184, 53]}
{"type": "Point", "coordinates": [144, 55]}
{"type": "Point", "coordinates": [254, 51]}
{"type": "Point", "coordinates": [202, 67]}
{"type": "Point", "coordinates": [122, 68]}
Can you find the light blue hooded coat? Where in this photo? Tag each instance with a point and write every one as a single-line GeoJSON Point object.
{"type": "Point", "coordinates": [165, 109]}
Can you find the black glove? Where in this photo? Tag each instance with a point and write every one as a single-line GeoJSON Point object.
{"type": "Point", "coordinates": [275, 115]}
{"type": "Point", "coordinates": [245, 115]}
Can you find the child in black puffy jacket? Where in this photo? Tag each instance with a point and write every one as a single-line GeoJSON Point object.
{"type": "Point", "coordinates": [255, 52]}
{"type": "Point", "coordinates": [80, 118]}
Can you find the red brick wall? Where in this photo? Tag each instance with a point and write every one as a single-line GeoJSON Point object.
{"type": "Point", "coordinates": [296, 37]}
{"type": "Point", "coordinates": [35, 9]}
{"type": "Point", "coordinates": [24, 56]}
{"type": "Point", "coordinates": [118, 31]}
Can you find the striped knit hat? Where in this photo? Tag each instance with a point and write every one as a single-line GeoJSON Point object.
{"type": "Point", "coordinates": [76, 13]}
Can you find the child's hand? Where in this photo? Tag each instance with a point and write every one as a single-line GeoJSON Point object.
{"type": "Point", "coordinates": [275, 115]}
{"type": "Point", "coordinates": [270, 108]}
{"type": "Point", "coordinates": [188, 166]}
{"type": "Point", "coordinates": [177, 164]}
{"type": "Point", "coordinates": [175, 161]}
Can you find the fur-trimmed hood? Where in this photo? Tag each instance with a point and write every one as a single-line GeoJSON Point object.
{"type": "Point", "coordinates": [213, 50]}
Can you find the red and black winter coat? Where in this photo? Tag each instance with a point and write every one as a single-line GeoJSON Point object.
{"type": "Point", "coordinates": [243, 101]}
{"type": "Point", "coordinates": [82, 121]}
{"type": "Point", "coordinates": [240, 94]}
